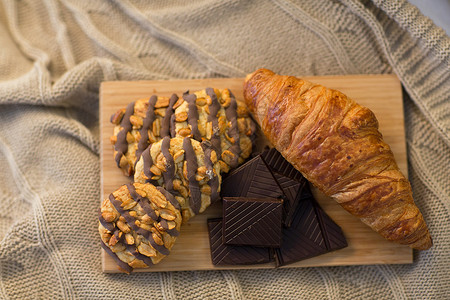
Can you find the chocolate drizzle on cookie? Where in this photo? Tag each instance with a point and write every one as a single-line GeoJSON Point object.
{"type": "Point", "coordinates": [191, 164]}
{"type": "Point", "coordinates": [213, 179]}
{"type": "Point", "coordinates": [116, 232]}
{"type": "Point", "coordinates": [233, 131]}
{"type": "Point", "coordinates": [148, 162]}
{"type": "Point", "coordinates": [193, 115]}
{"type": "Point", "coordinates": [214, 108]}
{"type": "Point", "coordinates": [132, 248]}
{"type": "Point", "coordinates": [123, 265]}
{"type": "Point", "coordinates": [108, 225]}
{"type": "Point", "coordinates": [118, 235]}
{"type": "Point", "coordinates": [173, 131]}
{"type": "Point", "coordinates": [148, 121]}
{"type": "Point", "coordinates": [167, 120]}
{"type": "Point", "coordinates": [142, 201]}
{"type": "Point", "coordinates": [145, 204]}
{"type": "Point", "coordinates": [170, 165]}
{"type": "Point", "coordinates": [131, 222]}
{"type": "Point", "coordinates": [121, 145]}
{"type": "Point", "coordinates": [169, 197]}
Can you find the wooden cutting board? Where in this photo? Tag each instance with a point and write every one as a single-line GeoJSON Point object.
{"type": "Point", "coordinates": [381, 93]}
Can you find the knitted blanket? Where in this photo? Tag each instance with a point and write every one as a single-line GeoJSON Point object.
{"type": "Point", "coordinates": [53, 57]}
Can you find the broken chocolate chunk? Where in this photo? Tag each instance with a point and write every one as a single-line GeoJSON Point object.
{"type": "Point", "coordinates": [312, 233]}
{"type": "Point", "coordinates": [303, 239]}
{"type": "Point", "coordinates": [290, 180]}
{"type": "Point", "coordinates": [334, 237]}
{"type": "Point", "coordinates": [222, 254]}
{"type": "Point", "coordinates": [252, 179]}
{"type": "Point", "coordinates": [252, 221]}
{"type": "Point", "coordinates": [279, 164]}
{"type": "Point", "coordinates": [293, 192]}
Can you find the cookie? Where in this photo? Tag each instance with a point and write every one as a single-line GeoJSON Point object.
{"type": "Point", "coordinates": [188, 169]}
{"type": "Point", "coordinates": [138, 225]}
{"type": "Point", "coordinates": [210, 114]}
{"type": "Point", "coordinates": [139, 124]}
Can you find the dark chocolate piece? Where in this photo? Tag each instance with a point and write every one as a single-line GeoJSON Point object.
{"type": "Point", "coordinates": [222, 254]}
{"type": "Point", "coordinates": [252, 221]}
{"type": "Point", "coordinates": [334, 237]}
{"type": "Point", "coordinates": [279, 164]}
{"type": "Point", "coordinates": [252, 179]}
{"type": "Point", "coordinates": [303, 239]}
{"type": "Point", "coordinates": [290, 179]}
{"type": "Point", "coordinates": [293, 192]}
{"type": "Point", "coordinates": [312, 233]}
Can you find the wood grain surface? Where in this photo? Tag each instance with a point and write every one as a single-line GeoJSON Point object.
{"type": "Point", "coordinates": [381, 93]}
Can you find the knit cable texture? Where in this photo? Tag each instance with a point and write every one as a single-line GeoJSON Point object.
{"type": "Point", "coordinates": [55, 53]}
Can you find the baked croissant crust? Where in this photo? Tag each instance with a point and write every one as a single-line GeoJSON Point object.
{"type": "Point", "coordinates": [335, 143]}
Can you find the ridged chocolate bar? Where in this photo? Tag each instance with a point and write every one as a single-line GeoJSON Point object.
{"type": "Point", "coordinates": [290, 180]}
{"type": "Point", "coordinates": [303, 239]}
{"type": "Point", "coordinates": [312, 233]}
{"type": "Point", "coordinates": [292, 190]}
{"type": "Point", "coordinates": [334, 237]}
{"type": "Point", "coordinates": [252, 179]}
{"type": "Point", "coordinates": [252, 221]}
{"type": "Point", "coordinates": [222, 254]}
{"type": "Point", "coordinates": [279, 164]}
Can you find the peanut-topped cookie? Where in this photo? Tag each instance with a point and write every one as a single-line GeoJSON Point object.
{"type": "Point", "coordinates": [143, 122]}
{"type": "Point", "coordinates": [210, 114]}
{"type": "Point", "coordinates": [216, 115]}
{"type": "Point", "coordinates": [139, 224]}
{"type": "Point", "coordinates": [188, 169]}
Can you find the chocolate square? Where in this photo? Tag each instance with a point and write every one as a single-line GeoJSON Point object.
{"type": "Point", "coordinates": [303, 239]}
{"type": "Point", "coordinates": [290, 180]}
{"type": "Point", "coordinates": [252, 179]}
{"type": "Point", "coordinates": [252, 221]}
{"type": "Point", "coordinates": [279, 164]}
{"type": "Point", "coordinates": [312, 233]}
{"type": "Point", "coordinates": [222, 254]}
{"type": "Point", "coordinates": [334, 237]}
{"type": "Point", "coordinates": [293, 192]}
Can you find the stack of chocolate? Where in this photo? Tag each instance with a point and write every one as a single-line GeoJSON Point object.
{"type": "Point", "coordinates": [270, 214]}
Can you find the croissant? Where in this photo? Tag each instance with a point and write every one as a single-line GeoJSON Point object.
{"type": "Point", "coordinates": [335, 143]}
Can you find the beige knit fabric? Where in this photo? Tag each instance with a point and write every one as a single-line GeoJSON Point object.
{"type": "Point", "coordinates": [53, 56]}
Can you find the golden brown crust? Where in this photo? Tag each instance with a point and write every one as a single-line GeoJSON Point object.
{"type": "Point", "coordinates": [336, 144]}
